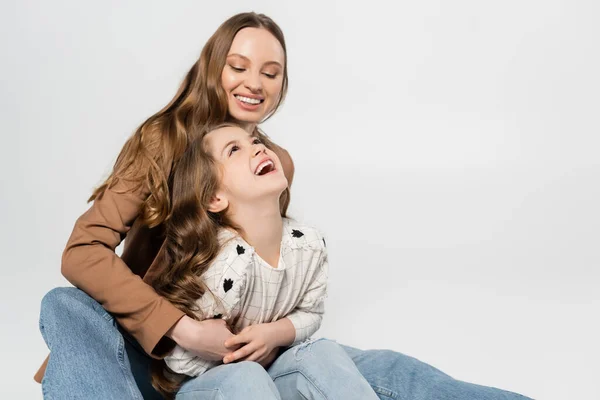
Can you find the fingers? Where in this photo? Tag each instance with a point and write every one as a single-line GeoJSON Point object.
{"type": "Point", "coordinates": [244, 351]}
{"type": "Point", "coordinates": [257, 355]}
{"type": "Point", "coordinates": [269, 358]}
{"type": "Point", "coordinates": [233, 341]}
{"type": "Point", "coordinates": [241, 338]}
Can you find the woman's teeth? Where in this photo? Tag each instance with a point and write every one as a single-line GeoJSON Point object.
{"type": "Point", "coordinates": [248, 99]}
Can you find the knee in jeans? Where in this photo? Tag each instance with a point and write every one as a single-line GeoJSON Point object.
{"type": "Point", "coordinates": [63, 301]}
{"type": "Point", "coordinates": [387, 354]}
{"type": "Point", "coordinates": [248, 370]}
{"type": "Point", "coordinates": [58, 299]}
{"type": "Point", "coordinates": [325, 344]}
{"type": "Point", "coordinates": [321, 347]}
{"type": "Point", "coordinates": [318, 354]}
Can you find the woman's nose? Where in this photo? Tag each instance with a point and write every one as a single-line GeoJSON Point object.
{"type": "Point", "coordinates": [253, 83]}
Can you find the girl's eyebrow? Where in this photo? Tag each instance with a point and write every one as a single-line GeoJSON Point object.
{"type": "Point", "coordinates": [234, 141]}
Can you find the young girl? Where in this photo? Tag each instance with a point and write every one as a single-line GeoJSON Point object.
{"type": "Point", "coordinates": [231, 254]}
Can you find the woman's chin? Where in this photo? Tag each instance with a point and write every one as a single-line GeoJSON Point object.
{"type": "Point", "coordinates": [246, 116]}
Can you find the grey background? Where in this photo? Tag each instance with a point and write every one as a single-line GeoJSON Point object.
{"type": "Point", "coordinates": [451, 146]}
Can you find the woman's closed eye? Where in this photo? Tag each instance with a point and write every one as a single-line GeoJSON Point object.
{"type": "Point", "coordinates": [241, 69]}
{"type": "Point", "coordinates": [256, 141]}
{"type": "Point", "coordinates": [237, 69]}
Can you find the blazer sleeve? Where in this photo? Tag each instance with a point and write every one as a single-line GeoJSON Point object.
{"type": "Point", "coordinates": [90, 263]}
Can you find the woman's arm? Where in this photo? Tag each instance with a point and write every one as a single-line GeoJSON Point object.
{"type": "Point", "coordinates": [90, 263]}
{"type": "Point", "coordinates": [205, 339]}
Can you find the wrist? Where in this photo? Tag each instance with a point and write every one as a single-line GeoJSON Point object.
{"type": "Point", "coordinates": [284, 332]}
{"type": "Point", "coordinates": [180, 330]}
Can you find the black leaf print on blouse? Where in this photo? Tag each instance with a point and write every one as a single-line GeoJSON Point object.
{"type": "Point", "coordinates": [297, 233]}
{"type": "Point", "coordinates": [218, 316]}
{"type": "Point", "coordinates": [324, 244]}
{"type": "Point", "coordinates": [240, 249]}
{"type": "Point", "coordinates": [227, 284]}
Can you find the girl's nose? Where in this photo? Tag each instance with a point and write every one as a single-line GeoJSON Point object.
{"type": "Point", "coordinates": [260, 148]}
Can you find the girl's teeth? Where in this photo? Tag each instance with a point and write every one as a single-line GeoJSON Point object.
{"type": "Point", "coordinates": [248, 100]}
{"type": "Point", "coordinates": [262, 166]}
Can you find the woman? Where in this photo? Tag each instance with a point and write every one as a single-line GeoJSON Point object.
{"type": "Point", "coordinates": [100, 336]}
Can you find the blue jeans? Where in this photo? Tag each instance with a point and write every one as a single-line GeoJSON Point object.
{"type": "Point", "coordinates": [318, 369]}
{"type": "Point", "coordinates": [92, 358]}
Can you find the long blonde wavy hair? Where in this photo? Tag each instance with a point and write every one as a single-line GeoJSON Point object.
{"type": "Point", "coordinates": [147, 158]}
{"type": "Point", "coordinates": [191, 242]}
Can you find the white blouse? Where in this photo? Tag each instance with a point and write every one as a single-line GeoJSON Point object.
{"type": "Point", "coordinates": [245, 290]}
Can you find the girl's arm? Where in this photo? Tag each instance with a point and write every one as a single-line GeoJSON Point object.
{"type": "Point", "coordinates": [259, 340]}
{"type": "Point", "coordinates": [308, 314]}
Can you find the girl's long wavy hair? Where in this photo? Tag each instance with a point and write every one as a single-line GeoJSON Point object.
{"type": "Point", "coordinates": [149, 155]}
{"type": "Point", "coordinates": [191, 243]}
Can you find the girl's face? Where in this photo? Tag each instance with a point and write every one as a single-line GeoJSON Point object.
{"type": "Point", "coordinates": [249, 172]}
{"type": "Point", "coordinates": [253, 75]}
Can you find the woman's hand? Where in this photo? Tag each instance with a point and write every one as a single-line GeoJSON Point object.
{"type": "Point", "coordinates": [204, 338]}
{"type": "Point", "coordinates": [260, 342]}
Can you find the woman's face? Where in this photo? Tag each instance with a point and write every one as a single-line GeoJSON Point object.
{"type": "Point", "coordinates": [253, 75]}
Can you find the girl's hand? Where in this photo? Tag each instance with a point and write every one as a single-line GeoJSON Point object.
{"type": "Point", "coordinates": [203, 338]}
{"type": "Point", "coordinates": [259, 343]}
{"type": "Point", "coordinates": [268, 360]}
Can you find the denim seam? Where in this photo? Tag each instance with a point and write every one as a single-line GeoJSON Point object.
{"type": "Point", "coordinates": [202, 390]}
{"type": "Point", "coordinates": [45, 377]}
{"type": "Point", "coordinates": [45, 389]}
{"type": "Point", "coordinates": [102, 311]}
{"type": "Point", "coordinates": [308, 379]}
{"type": "Point", "coordinates": [133, 388]}
{"type": "Point", "coordinates": [385, 392]}
{"type": "Point", "coordinates": [42, 331]}
{"type": "Point", "coordinates": [303, 396]}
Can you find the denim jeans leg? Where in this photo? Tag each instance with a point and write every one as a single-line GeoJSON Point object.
{"type": "Point", "coordinates": [396, 376]}
{"type": "Point", "coordinates": [88, 359]}
{"type": "Point", "coordinates": [319, 369]}
{"type": "Point", "coordinates": [140, 367]}
{"type": "Point", "coordinates": [246, 380]}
